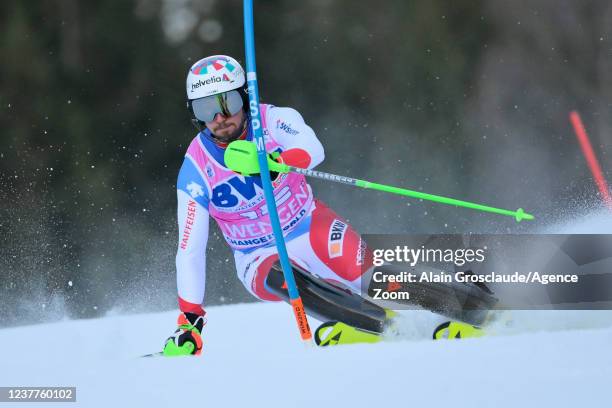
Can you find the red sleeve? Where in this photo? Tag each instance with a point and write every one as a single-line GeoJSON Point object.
{"type": "Point", "coordinates": [296, 157]}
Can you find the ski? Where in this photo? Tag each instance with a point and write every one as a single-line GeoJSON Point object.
{"type": "Point", "coordinates": [161, 354]}
{"type": "Point", "coordinates": [157, 354]}
{"type": "Point", "coordinates": [338, 333]}
{"type": "Point", "coordinates": [457, 330]}
{"type": "Point", "coordinates": [335, 333]}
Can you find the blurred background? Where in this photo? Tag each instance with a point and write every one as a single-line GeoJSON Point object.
{"type": "Point", "coordinates": [465, 99]}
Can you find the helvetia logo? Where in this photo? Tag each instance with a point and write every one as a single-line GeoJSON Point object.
{"type": "Point", "coordinates": [335, 238]}
{"type": "Point", "coordinates": [209, 81]}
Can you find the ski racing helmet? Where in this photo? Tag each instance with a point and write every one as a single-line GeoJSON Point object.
{"type": "Point", "coordinates": [216, 84]}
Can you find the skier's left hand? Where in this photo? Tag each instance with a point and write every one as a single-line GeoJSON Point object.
{"type": "Point", "coordinates": [187, 339]}
{"type": "Point", "coordinates": [241, 157]}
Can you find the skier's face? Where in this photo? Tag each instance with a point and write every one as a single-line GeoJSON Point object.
{"type": "Point", "coordinates": [227, 128]}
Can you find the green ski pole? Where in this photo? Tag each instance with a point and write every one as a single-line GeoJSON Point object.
{"type": "Point", "coordinates": [241, 156]}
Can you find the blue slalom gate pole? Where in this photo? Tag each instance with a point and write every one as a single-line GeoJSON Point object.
{"type": "Point", "coordinates": [251, 72]}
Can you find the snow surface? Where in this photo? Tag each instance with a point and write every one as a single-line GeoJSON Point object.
{"type": "Point", "coordinates": [596, 222]}
{"type": "Point", "coordinates": [253, 358]}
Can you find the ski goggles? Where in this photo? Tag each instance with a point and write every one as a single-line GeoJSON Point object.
{"type": "Point", "coordinates": [227, 104]}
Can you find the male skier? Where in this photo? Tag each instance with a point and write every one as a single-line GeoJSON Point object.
{"type": "Point", "coordinates": [328, 256]}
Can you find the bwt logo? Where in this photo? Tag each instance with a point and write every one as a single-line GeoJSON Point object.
{"type": "Point", "coordinates": [286, 127]}
{"type": "Point", "coordinates": [335, 239]}
{"type": "Point", "coordinates": [223, 195]}
{"type": "Point", "coordinates": [209, 81]}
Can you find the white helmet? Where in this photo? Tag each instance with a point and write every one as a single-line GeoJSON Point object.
{"type": "Point", "coordinates": [214, 75]}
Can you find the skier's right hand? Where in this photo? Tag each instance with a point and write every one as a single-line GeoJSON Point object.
{"type": "Point", "coordinates": [187, 339]}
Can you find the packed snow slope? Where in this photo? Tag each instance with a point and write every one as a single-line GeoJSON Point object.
{"type": "Point", "coordinates": [253, 358]}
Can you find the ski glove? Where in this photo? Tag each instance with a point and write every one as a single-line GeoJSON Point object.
{"type": "Point", "coordinates": [241, 157]}
{"type": "Point", "coordinates": [187, 339]}
{"type": "Point", "coordinates": [275, 156]}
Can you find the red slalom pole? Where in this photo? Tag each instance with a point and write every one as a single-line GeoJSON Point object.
{"type": "Point", "coordinates": [589, 155]}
